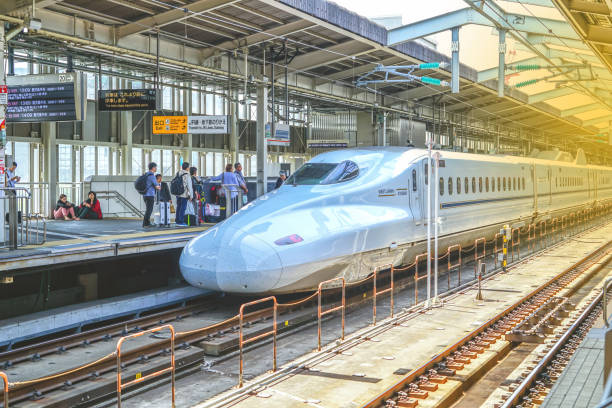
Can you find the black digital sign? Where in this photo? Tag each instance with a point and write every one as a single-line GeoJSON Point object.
{"type": "Point", "coordinates": [41, 102]}
{"type": "Point", "coordinates": [127, 99]}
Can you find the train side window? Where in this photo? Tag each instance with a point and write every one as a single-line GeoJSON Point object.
{"type": "Point", "coordinates": [493, 184]}
{"type": "Point", "coordinates": [474, 185]}
{"type": "Point", "coordinates": [514, 183]}
{"type": "Point", "coordinates": [504, 183]}
{"type": "Point", "coordinates": [480, 184]}
{"type": "Point", "coordinates": [414, 180]}
{"type": "Point", "coordinates": [523, 183]}
{"type": "Point", "coordinates": [441, 186]}
{"type": "Point", "coordinates": [498, 184]}
{"type": "Point", "coordinates": [487, 184]}
{"type": "Point", "coordinates": [466, 185]}
{"type": "Point", "coordinates": [450, 186]}
{"type": "Point", "coordinates": [458, 185]}
{"type": "Point", "coordinates": [426, 174]}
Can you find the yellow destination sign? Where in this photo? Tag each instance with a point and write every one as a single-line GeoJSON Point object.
{"type": "Point", "coordinates": [169, 124]}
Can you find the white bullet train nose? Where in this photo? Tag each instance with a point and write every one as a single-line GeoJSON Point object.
{"type": "Point", "coordinates": [230, 260]}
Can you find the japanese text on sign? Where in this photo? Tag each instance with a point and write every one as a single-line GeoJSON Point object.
{"type": "Point", "coordinates": [169, 125]}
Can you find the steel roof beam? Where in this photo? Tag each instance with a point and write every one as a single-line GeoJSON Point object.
{"type": "Point", "coordinates": [254, 39]}
{"type": "Point", "coordinates": [516, 22]}
{"type": "Point", "coordinates": [19, 7]}
{"type": "Point", "coordinates": [171, 16]}
{"type": "Point", "coordinates": [541, 3]}
{"type": "Point", "coordinates": [594, 121]}
{"type": "Point", "coordinates": [580, 109]}
{"type": "Point", "coordinates": [329, 55]}
{"type": "Point", "coordinates": [554, 93]}
{"type": "Point", "coordinates": [589, 7]}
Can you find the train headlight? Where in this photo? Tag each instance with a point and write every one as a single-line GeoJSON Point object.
{"type": "Point", "coordinates": [289, 240]}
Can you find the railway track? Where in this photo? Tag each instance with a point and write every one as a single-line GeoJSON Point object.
{"type": "Point", "coordinates": [532, 319]}
{"type": "Point", "coordinates": [106, 365]}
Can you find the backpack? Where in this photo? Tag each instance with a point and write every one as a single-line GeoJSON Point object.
{"type": "Point", "coordinates": [141, 184]}
{"type": "Point", "coordinates": [176, 185]}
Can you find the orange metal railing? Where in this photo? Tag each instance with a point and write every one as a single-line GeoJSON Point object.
{"type": "Point", "coordinates": [5, 388]}
{"type": "Point", "coordinates": [543, 233]}
{"type": "Point", "coordinates": [449, 252]}
{"type": "Point", "coordinates": [242, 341]}
{"type": "Point", "coordinates": [171, 369]}
{"type": "Point", "coordinates": [531, 237]}
{"type": "Point", "coordinates": [515, 243]}
{"type": "Point", "coordinates": [417, 278]}
{"type": "Point", "coordinates": [480, 252]}
{"type": "Point", "coordinates": [375, 292]}
{"type": "Point", "coordinates": [321, 313]}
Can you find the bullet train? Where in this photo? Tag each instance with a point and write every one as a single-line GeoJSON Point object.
{"type": "Point", "coordinates": [349, 211]}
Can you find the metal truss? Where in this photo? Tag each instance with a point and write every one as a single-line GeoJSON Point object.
{"type": "Point", "coordinates": [406, 72]}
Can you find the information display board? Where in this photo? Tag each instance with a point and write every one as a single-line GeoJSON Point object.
{"type": "Point", "coordinates": [127, 99]}
{"type": "Point", "coordinates": [164, 125]}
{"type": "Point", "coordinates": [208, 124]}
{"type": "Point", "coordinates": [281, 135]}
{"type": "Point", "coordinates": [45, 98]}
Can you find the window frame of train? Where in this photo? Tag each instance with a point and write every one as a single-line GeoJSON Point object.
{"type": "Point", "coordinates": [473, 185]}
{"type": "Point", "coordinates": [441, 186]}
{"type": "Point", "coordinates": [458, 185]}
{"type": "Point", "coordinates": [466, 185]}
{"type": "Point", "coordinates": [414, 180]}
{"type": "Point", "coordinates": [487, 184]}
{"type": "Point", "coordinates": [480, 184]}
{"type": "Point", "coordinates": [450, 186]}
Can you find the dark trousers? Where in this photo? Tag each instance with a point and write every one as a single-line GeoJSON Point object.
{"type": "Point", "coordinates": [86, 213]}
{"type": "Point", "coordinates": [181, 205]}
{"type": "Point", "coordinates": [149, 201]}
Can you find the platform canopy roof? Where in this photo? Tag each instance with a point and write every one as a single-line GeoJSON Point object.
{"type": "Point", "coordinates": [334, 46]}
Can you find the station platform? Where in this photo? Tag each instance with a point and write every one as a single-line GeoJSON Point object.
{"type": "Point", "coordinates": [374, 359]}
{"type": "Point", "coordinates": [71, 241]}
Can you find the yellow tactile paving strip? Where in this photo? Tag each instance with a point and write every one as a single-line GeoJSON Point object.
{"type": "Point", "coordinates": [352, 379]}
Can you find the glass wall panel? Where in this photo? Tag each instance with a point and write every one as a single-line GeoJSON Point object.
{"type": "Point", "coordinates": [22, 158]}
{"type": "Point", "coordinates": [64, 165]}
{"type": "Point", "coordinates": [209, 164]}
{"type": "Point", "coordinates": [89, 161]}
{"type": "Point", "coordinates": [137, 161]}
{"type": "Point", "coordinates": [103, 160]}
{"type": "Point", "coordinates": [167, 156]}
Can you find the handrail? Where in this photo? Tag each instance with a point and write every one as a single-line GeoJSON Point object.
{"type": "Point", "coordinates": [171, 369]}
{"type": "Point", "coordinates": [6, 388]}
{"type": "Point", "coordinates": [515, 243]}
{"type": "Point", "coordinates": [479, 256]}
{"type": "Point", "coordinates": [126, 203]}
{"type": "Point", "coordinates": [375, 292]}
{"type": "Point", "coordinates": [605, 302]}
{"type": "Point", "coordinates": [242, 341]}
{"type": "Point", "coordinates": [320, 313]}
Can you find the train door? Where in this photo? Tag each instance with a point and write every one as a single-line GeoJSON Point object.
{"type": "Point", "coordinates": [416, 192]}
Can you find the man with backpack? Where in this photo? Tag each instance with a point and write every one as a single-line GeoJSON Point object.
{"type": "Point", "coordinates": [182, 187]}
{"type": "Point", "coordinates": [146, 185]}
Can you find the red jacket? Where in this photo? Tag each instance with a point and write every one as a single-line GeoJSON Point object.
{"type": "Point", "coordinates": [96, 208]}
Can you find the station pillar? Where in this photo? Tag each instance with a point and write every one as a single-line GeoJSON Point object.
{"type": "Point", "coordinates": [365, 129]}
{"type": "Point", "coordinates": [233, 117]}
{"type": "Point", "coordinates": [455, 60]}
{"type": "Point", "coordinates": [262, 148]}
{"type": "Point", "coordinates": [502, 64]}
{"type": "Point", "coordinates": [49, 139]}
{"type": "Point", "coordinates": [2, 136]}
{"type": "Point", "coordinates": [125, 137]}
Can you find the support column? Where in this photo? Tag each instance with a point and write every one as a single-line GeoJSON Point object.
{"type": "Point", "coordinates": [262, 149]}
{"type": "Point", "coordinates": [49, 135]}
{"type": "Point", "coordinates": [455, 60]}
{"type": "Point", "coordinates": [233, 118]}
{"type": "Point", "coordinates": [365, 129]}
{"type": "Point", "coordinates": [187, 138]}
{"type": "Point", "coordinates": [126, 143]}
{"type": "Point", "coordinates": [502, 63]}
{"type": "Point", "coordinates": [2, 133]}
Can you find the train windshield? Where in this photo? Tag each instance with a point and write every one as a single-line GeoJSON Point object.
{"type": "Point", "coordinates": [324, 173]}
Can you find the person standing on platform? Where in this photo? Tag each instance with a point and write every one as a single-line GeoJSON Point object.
{"type": "Point", "coordinates": [163, 199]}
{"type": "Point", "coordinates": [11, 178]}
{"type": "Point", "coordinates": [187, 194]}
{"type": "Point", "coordinates": [241, 181]}
{"type": "Point", "coordinates": [149, 196]}
{"type": "Point", "coordinates": [228, 178]}
{"type": "Point", "coordinates": [281, 179]}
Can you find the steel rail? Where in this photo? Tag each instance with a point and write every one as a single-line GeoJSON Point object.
{"type": "Point", "coordinates": [401, 384]}
{"type": "Point", "coordinates": [524, 386]}
{"type": "Point", "coordinates": [63, 343]}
